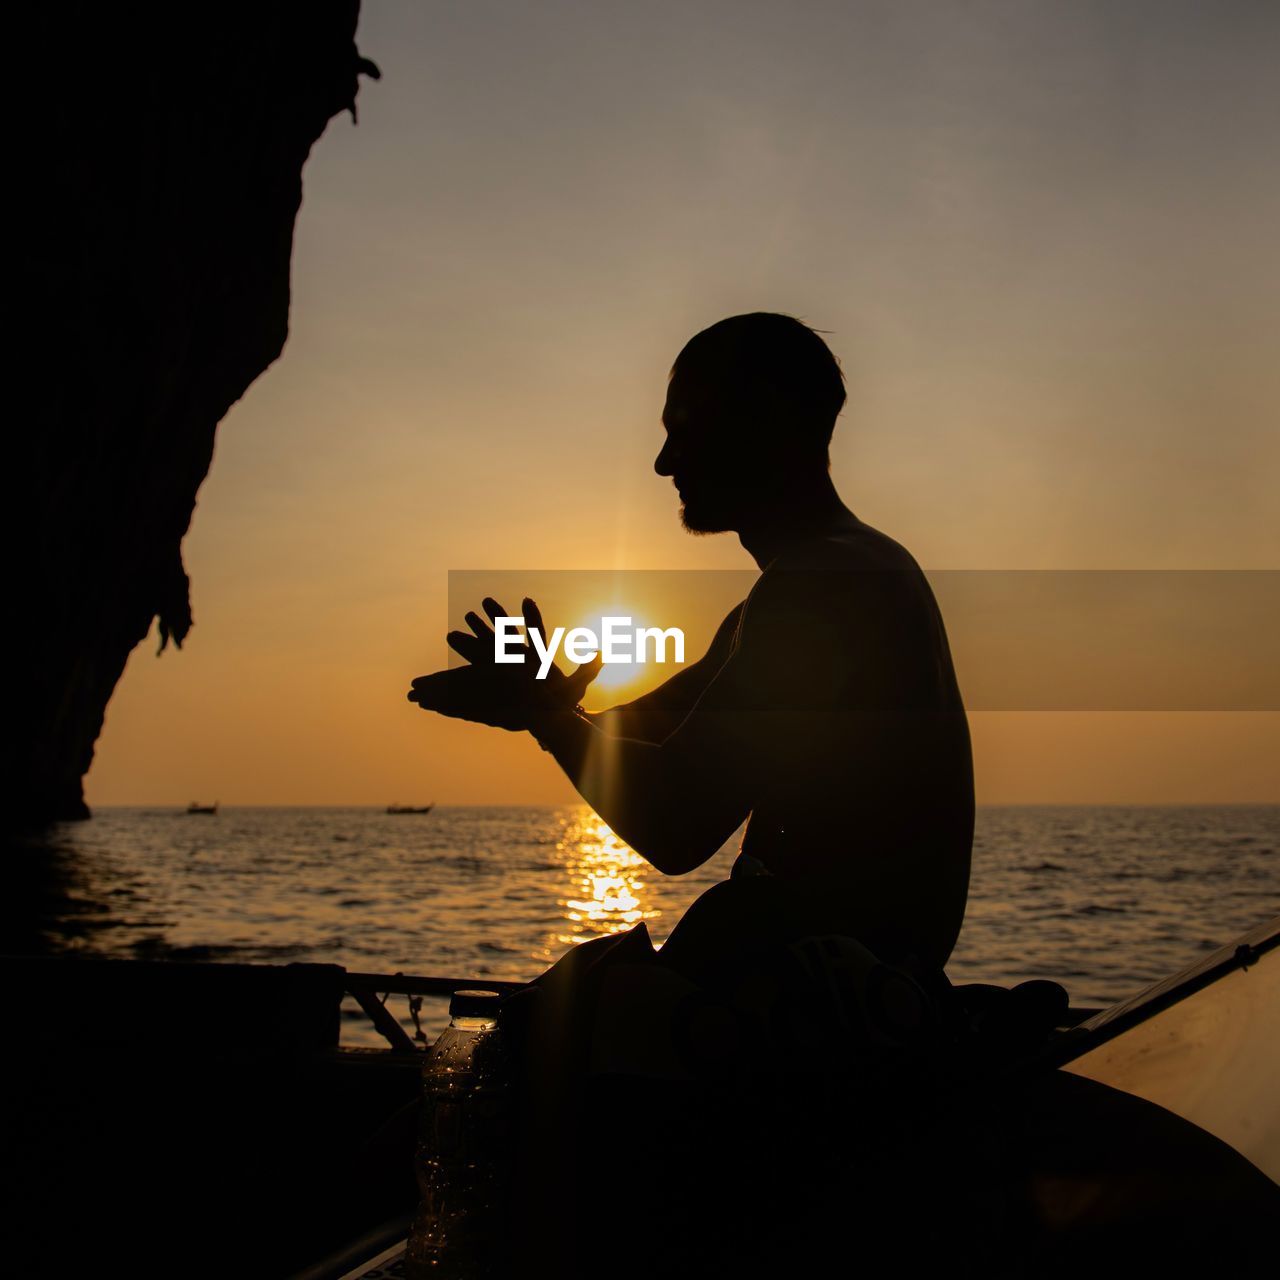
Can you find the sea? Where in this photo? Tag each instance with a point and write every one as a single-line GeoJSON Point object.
{"type": "Point", "coordinates": [1105, 900]}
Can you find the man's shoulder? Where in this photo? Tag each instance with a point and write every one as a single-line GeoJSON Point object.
{"type": "Point", "coordinates": [856, 579]}
{"type": "Point", "coordinates": [857, 549]}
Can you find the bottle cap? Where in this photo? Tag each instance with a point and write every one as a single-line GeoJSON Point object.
{"type": "Point", "coordinates": [474, 1004]}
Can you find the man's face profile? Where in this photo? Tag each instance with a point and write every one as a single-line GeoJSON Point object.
{"type": "Point", "coordinates": [707, 459]}
{"type": "Point", "coordinates": [694, 455]}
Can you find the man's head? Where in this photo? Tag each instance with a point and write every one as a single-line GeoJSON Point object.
{"type": "Point", "coordinates": [751, 404]}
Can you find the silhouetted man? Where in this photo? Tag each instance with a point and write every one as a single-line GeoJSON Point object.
{"type": "Point", "coordinates": [826, 716]}
{"type": "Point", "coordinates": [825, 713]}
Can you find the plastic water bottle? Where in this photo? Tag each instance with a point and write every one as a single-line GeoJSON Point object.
{"type": "Point", "coordinates": [463, 1155]}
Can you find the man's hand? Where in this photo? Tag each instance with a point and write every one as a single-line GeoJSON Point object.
{"type": "Point", "coordinates": [505, 695]}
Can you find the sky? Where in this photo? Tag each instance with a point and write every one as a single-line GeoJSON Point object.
{"type": "Point", "coordinates": [1039, 235]}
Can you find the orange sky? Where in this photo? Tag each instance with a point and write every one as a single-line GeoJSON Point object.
{"type": "Point", "coordinates": [1040, 236]}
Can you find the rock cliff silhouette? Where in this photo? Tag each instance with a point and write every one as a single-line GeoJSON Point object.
{"type": "Point", "coordinates": [158, 152]}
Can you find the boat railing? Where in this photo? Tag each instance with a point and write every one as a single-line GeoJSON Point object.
{"type": "Point", "coordinates": [1106, 1024]}
{"type": "Point", "coordinates": [372, 990]}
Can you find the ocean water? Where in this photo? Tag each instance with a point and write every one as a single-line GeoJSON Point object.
{"type": "Point", "coordinates": [1105, 900]}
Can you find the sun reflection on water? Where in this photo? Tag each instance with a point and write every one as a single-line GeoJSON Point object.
{"type": "Point", "coordinates": [607, 881]}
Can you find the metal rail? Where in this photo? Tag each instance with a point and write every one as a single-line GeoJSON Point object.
{"type": "Point", "coordinates": [364, 989]}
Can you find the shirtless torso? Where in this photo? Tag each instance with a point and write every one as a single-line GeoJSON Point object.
{"type": "Point", "coordinates": [827, 709]}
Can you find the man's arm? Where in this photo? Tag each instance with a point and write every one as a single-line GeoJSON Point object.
{"type": "Point", "coordinates": [673, 817]}
{"type": "Point", "coordinates": [677, 801]}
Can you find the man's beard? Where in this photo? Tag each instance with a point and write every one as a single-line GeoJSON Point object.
{"type": "Point", "coordinates": [703, 522]}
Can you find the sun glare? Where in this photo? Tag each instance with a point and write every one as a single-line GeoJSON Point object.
{"type": "Point", "coordinates": [629, 677]}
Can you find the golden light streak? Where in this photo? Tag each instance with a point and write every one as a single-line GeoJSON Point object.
{"type": "Point", "coordinates": [608, 880]}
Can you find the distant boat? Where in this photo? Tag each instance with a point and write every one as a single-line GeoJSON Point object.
{"type": "Point", "coordinates": [196, 807]}
{"type": "Point", "coordinates": [408, 808]}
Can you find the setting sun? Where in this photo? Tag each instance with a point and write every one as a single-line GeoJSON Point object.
{"type": "Point", "coordinates": [630, 676]}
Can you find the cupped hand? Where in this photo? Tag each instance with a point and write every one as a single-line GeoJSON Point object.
{"type": "Point", "coordinates": [506, 695]}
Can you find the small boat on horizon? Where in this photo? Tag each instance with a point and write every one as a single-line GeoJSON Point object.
{"type": "Point", "coordinates": [196, 807]}
{"type": "Point", "coordinates": [408, 808]}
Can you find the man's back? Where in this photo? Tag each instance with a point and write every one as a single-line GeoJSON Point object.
{"type": "Point", "coordinates": [840, 703]}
